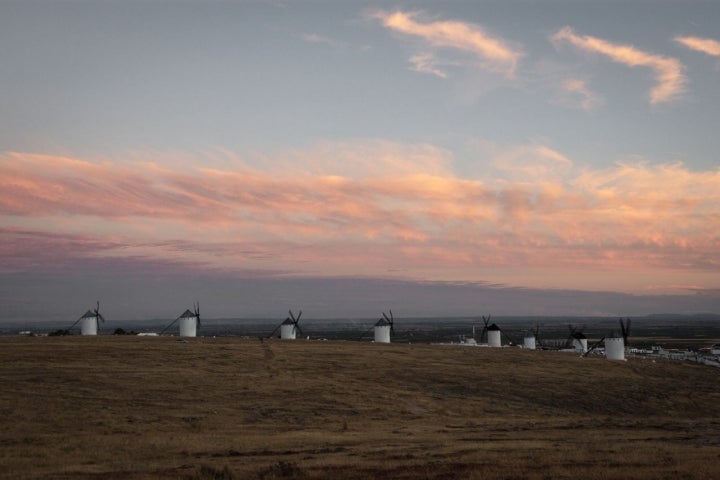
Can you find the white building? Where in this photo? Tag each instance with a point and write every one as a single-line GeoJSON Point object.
{"type": "Point", "coordinates": [493, 336]}
{"type": "Point", "coordinates": [288, 331]}
{"type": "Point", "coordinates": [89, 323]}
{"type": "Point", "coordinates": [615, 348]}
{"type": "Point", "coordinates": [188, 322]}
{"type": "Point", "coordinates": [579, 342]}
{"type": "Point", "coordinates": [382, 331]}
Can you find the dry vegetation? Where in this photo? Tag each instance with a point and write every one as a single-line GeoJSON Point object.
{"type": "Point", "coordinates": [226, 408]}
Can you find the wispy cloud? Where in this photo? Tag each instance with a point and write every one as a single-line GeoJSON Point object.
{"type": "Point", "coordinates": [587, 99]}
{"type": "Point", "coordinates": [320, 39]}
{"type": "Point", "coordinates": [494, 53]}
{"type": "Point", "coordinates": [704, 45]}
{"type": "Point", "coordinates": [409, 211]}
{"type": "Point", "coordinates": [426, 63]}
{"type": "Point", "coordinates": [668, 71]}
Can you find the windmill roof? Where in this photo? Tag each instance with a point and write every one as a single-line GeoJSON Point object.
{"type": "Point", "coordinates": [579, 335]}
{"type": "Point", "coordinates": [287, 322]}
{"type": "Point", "coordinates": [188, 314]}
{"type": "Point", "coordinates": [382, 322]}
{"type": "Point", "coordinates": [89, 314]}
{"type": "Point", "coordinates": [493, 327]}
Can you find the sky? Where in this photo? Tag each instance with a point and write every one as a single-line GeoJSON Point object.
{"type": "Point", "coordinates": [435, 158]}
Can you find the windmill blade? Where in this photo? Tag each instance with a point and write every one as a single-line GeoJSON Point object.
{"type": "Point", "coordinates": [536, 333]}
{"type": "Point", "coordinates": [196, 307]}
{"type": "Point", "coordinates": [272, 334]}
{"type": "Point", "coordinates": [483, 333]}
{"type": "Point", "coordinates": [569, 343]}
{"type": "Point", "coordinates": [170, 325]}
{"type": "Point", "coordinates": [510, 339]}
{"type": "Point", "coordinates": [593, 347]}
{"type": "Point", "coordinates": [299, 315]}
{"type": "Point", "coordinates": [298, 329]}
{"type": "Point", "coordinates": [625, 329]}
{"type": "Point", "coordinates": [76, 322]}
{"type": "Point", "coordinates": [386, 317]}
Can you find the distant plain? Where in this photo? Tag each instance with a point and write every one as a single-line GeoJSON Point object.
{"type": "Point", "coordinates": [127, 407]}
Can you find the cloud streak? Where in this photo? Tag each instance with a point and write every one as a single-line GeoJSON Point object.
{"type": "Point", "coordinates": [494, 53]}
{"type": "Point", "coordinates": [537, 210]}
{"type": "Point", "coordinates": [668, 71]}
{"type": "Point", "coordinates": [704, 45]}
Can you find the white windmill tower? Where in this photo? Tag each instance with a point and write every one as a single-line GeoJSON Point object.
{"type": "Point", "coordinates": [383, 328]}
{"type": "Point", "coordinates": [90, 322]}
{"type": "Point", "coordinates": [289, 328]}
{"type": "Point", "coordinates": [615, 346]}
{"type": "Point", "coordinates": [532, 338]}
{"type": "Point", "coordinates": [493, 335]}
{"type": "Point", "coordinates": [577, 340]}
{"type": "Point", "coordinates": [188, 322]}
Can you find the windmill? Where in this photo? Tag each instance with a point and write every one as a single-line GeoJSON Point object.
{"type": "Point", "coordinates": [189, 322]}
{"type": "Point", "coordinates": [289, 328]}
{"type": "Point", "coordinates": [532, 338]}
{"type": "Point", "coordinates": [615, 346]}
{"type": "Point", "coordinates": [576, 339]}
{"type": "Point", "coordinates": [485, 328]}
{"type": "Point", "coordinates": [384, 327]}
{"type": "Point", "coordinates": [90, 321]}
{"type": "Point", "coordinates": [493, 335]}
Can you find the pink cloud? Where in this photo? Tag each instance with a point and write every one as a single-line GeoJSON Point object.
{"type": "Point", "coordinates": [536, 210]}
{"type": "Point", "coordinates": [708, 46]}
{"type": "Point", "coordinates": [495, 53]}
{"type": "Point", "coordinates": [588, 100]}
{"type": "Point", "coordinates": [669, 76]}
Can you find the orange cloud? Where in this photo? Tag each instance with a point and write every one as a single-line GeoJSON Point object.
{"type": "Point", "coordinates": [535, 210]}
{"type": "Point", "coordinates": [495, 53]}
{"type": "Point", "coordinates": [670, 79]}
{"type": "Point", "coordinates": [704, 45]}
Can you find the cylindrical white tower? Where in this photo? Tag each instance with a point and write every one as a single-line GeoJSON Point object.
{"type": "Point", "coordinates": [614, 349]}
{"type": "Point", "coordinates": [188, 325]}
{"type": "Point", "coordinates": [493, 335]}
{"type": "Point", "coordinates": [288, 330]}
{"type": "Point", "coordinates": [580, 344]}
{"type": "Point", "coordinates": [88, 325]}
{"type": "Point", "coordinates": [529, 342]}
{"type": "Point", "coordinates": [382, 331]}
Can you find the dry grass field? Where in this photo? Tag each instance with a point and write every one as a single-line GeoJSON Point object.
{"type": "Point", "coordinates": [145, 408]}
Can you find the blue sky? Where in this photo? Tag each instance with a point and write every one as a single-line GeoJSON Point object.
{"type": "Point", "coordinates": [564, 146]}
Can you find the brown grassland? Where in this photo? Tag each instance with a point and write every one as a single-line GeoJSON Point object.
{"type": "Point", "coordinates": [226, 408]}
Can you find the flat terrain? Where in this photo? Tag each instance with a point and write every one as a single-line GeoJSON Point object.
{"type": "Point", "coordinates": [139, 408]}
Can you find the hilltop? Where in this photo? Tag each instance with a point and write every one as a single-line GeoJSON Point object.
{"type": "Point", "coordinates": [141, 408]}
